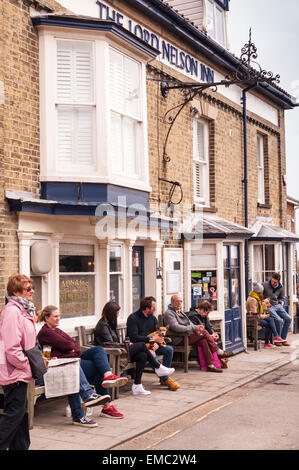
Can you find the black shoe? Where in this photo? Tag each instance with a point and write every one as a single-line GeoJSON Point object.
{"type": "Point", "coordinates": [94, 400]}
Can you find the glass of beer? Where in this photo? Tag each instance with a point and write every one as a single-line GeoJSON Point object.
{"type": "Point", "coordinates": [47, 352]}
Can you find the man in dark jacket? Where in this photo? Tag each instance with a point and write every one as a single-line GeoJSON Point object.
{"type": "Point", "coordinates": [275, 292]}
{"type": "Point", "coordinates": [143, 322]}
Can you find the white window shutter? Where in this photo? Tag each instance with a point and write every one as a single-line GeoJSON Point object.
{"type": "Point", "coordinates": [116, 157]}
{"type": "Point", "coordinates": [129, 136]}
{"type": "Point", "coordinates": [200, 161]}
{"type": "Point", "coordinates": [65, 125]}
{"type": "Point", "coordinates": [116, 79]}
{"type": "Point", "coordinates": [132, 87]}
{"type": "Point", "coordinates": [260, 169]}
{"type": "Point", "coordinates": [84, 136]}
{"type": "Point", "coordinates": [197, 180]}
{"type": "Point", "coordinates": [75, 109]}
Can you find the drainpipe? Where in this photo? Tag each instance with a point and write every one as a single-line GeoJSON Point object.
{"type": "Point", "coordinates": [245, 181]}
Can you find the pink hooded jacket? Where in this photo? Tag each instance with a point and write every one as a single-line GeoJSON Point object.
{"type": "Point", "coordinates": [17, 333]}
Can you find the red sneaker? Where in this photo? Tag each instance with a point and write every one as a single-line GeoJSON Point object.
{"type": "Point", "coordinates": [278, 340]}
{"type": "Point", "coordinates": [114, 381]}
{"type": "Point", "coordinates": [269, 345]}
{"type": "Point", "coordinates": [111, 412]}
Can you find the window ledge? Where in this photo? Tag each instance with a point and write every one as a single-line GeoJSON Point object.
{"type": "Point", "coordinates": [264, 206]}
{"type": "Point", "coordinates": [197, 206]}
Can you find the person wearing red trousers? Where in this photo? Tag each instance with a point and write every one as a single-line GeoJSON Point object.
{"type": "Point", "coordinates": [198, 336]}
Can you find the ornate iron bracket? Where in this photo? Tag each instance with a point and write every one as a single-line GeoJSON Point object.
{"type": "Point", "coordinates": [245, 74]}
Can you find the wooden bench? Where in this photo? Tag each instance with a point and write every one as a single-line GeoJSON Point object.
{"type": "Point", "coordinates": [86, 341]}
{"type": "Point", "coordinates": [253, 328]}
{"type": "Point", "coordinates": [35, 391]}
{"type": "Point", "coordinates": [183, 349]}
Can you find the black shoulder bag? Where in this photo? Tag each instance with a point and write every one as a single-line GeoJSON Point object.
{"type": "Point", "coordinates": [36, 361]}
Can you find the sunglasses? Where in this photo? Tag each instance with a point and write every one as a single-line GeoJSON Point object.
{"type": "Point", "coordinates": [29, 289]}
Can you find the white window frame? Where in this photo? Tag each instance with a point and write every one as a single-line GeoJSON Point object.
{"type": "Point", "coordinates": [74, 105]}
{"type": "Point", "coordinates": [263, 275]}
{"type": "Point", "coordinates": [216, 28]}
{"type": "Point", "coordinates": [102, 171]}
{"type": "Point", "coordinates": [74, 320]}
{"type": "Point", "coordinates": [120, 163]}
{"type": "Point", "coordinates": [260, 169]}
{"type": "Point", "coordinates": [120, 275]}
{"type": "Point", "coordinates": [201, 165]}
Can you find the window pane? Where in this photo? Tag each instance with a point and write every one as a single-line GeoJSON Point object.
{"type": "Point", "coordinates": [225, 256]}
{"type": "Point", "coordinates": [136, 292]}
{"type": "Point", "coordinates": [219, 25]}
{"type": "Point", "coordinates": [76, 296]}
{"type": "Point", "coordinates": [115, 259]}
{"type": "Point", "coordinates": [114, 287]}
{"type": "Point", "coordinates": [75, 136]}
{"type": "Point", "coordinates": [136, 262]}
{"type": "Point", "coordinates": [76, 264]}
{"type": "Point", "coordinates": [210, 18]}
{"type": "Point", "coordinates": [234, 255]}
{"type": "Point", "coordinates": [132, 87]}
{"type": "Point", "coordinates": [74, 72]}
{"type": "Point", "coordinates": [235, 288]}
{"type": "Point", "coordinates": [269, 258]}
{"type": "Point", "coordinates": [199, 144]}
{"type": "Point", "coordinates": [226, 289]}
{"type": "Point", "coordinates": [129, 134]}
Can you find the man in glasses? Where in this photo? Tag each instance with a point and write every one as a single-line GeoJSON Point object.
{"type": "Point", "coordinates": [179, 322]}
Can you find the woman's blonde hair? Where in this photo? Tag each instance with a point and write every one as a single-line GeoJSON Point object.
{"type": "Point", "coordinates": [45, 313]}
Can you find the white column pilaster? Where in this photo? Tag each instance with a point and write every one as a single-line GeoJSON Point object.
{"type": "Point", "coordinates": [24, 251]}
{"type": "Point", "coordinates": [54, 278]}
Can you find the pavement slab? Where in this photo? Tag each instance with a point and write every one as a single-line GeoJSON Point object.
{"type": "Point", "coordinates": [54, 431]}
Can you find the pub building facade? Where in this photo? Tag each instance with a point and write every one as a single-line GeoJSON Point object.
{"type": "Point", "coordinates": [101, 199]}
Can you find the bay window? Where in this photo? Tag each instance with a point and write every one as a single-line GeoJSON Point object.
{"type": "Point", "coordinates": [93, 111]}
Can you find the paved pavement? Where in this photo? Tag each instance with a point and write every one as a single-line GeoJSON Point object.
{"type": "Point", "coordinates": [54, 431]}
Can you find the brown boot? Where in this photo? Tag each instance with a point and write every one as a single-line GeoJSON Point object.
{"type": "Point", "coordinates": [213, 368]}
{"type": "Point", "coordinates": [170, 383]}
{"type": "Point", "coordinates": [285, 343]}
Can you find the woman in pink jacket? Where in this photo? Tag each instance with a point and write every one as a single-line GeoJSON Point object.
{"type": "Point", "coordinates": [17, 334]}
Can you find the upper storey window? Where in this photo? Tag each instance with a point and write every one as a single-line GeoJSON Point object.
{"type": "Point", "coordinates": [93, 110]}
{"type": "Point", "coordinates": [75, 106]}
{"type": "Point", "coordinates": [215, 21]}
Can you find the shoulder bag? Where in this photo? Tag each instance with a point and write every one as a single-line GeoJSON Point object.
{"type": "Point", "coordinates": [36, 361]}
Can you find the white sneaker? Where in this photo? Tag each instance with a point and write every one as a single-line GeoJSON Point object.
{"type": "Point", "coordinates": [139, 390]}
{"type": "Point", "coordinates": [162, 371]}
{"type": "Point", "coordinates": [68, 412]}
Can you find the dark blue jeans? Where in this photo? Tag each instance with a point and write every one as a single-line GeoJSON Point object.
{"type": "Point", "coordinates": [270, 327]}
{"type": "Point", "coordinates": [167, 353]}
{"type": "Point", "coordinates": [95, 364]}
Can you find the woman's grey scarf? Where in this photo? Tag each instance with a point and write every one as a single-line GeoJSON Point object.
{"type": "Point", "coordinates": [29, 306]}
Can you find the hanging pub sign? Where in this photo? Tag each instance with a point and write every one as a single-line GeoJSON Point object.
{"type": "Point", "coordinates": [169, 54]}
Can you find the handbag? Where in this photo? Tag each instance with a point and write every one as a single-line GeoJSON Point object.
{"type": "Point", "coordinates": [36, 361]}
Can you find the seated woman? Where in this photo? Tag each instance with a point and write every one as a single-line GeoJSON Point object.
{"type": "Point", "coordinates": [94, 364]}
{"type": "Point", "coordinates": [256, 305]}
{"type": "Point", "coordinates": [200, 316]}
{"type": "Point", "coordinates": [105, 334]}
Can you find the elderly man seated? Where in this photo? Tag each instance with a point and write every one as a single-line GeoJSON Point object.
{"type": "Point", "coordinates": [179, 322]}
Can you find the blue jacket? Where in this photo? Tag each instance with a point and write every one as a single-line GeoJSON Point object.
{"type": "Point", "coordinates": [138, 327]}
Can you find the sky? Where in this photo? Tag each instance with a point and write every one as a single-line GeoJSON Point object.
{"type": "Point", "coordinates": [275, 32]}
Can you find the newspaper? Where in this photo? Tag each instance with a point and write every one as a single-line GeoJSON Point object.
{"type": "Point", "coordinates": [62, 377]}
